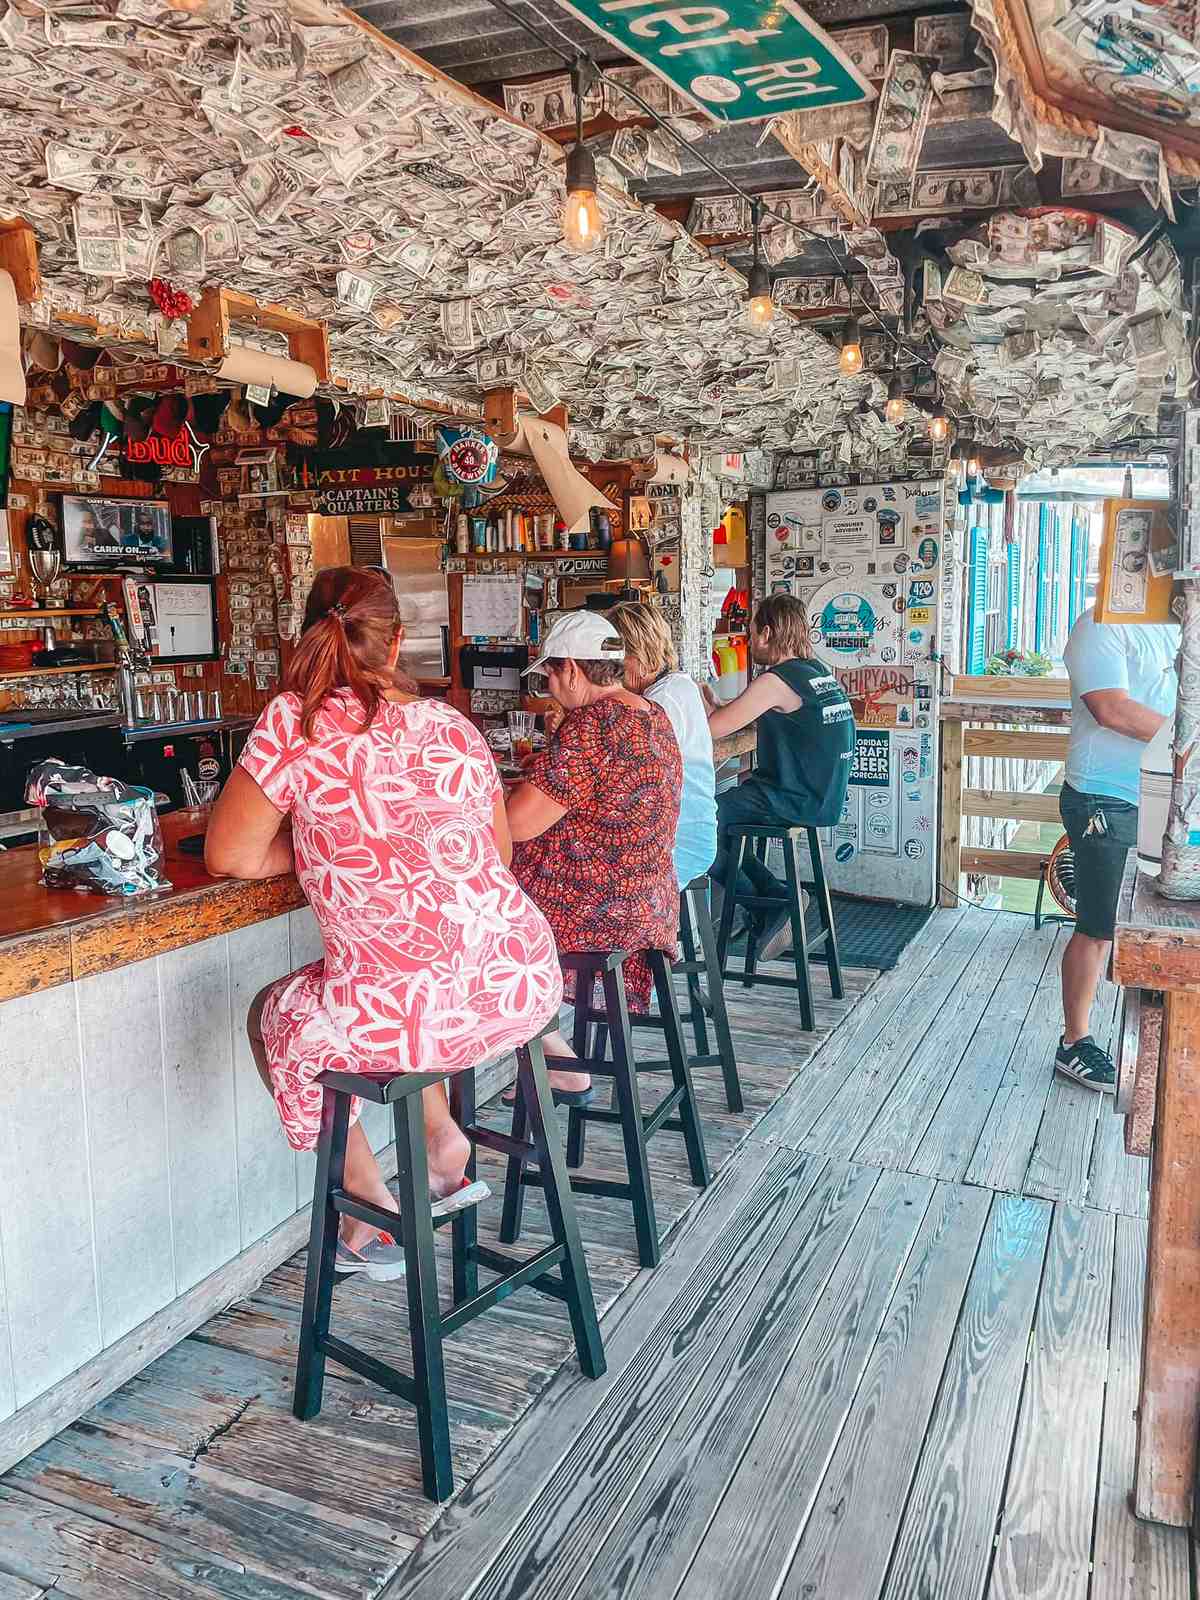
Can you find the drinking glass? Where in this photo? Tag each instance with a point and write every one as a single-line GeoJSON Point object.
{"type": "Point", "coordinates": [520, 735]}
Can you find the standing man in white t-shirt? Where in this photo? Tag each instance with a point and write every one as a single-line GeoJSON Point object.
{"type": "Point", "coordinates": [1123, 686]}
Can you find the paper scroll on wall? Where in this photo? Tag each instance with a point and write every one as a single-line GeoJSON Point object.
{"type": "Point", "coordinates": [662, 468]}
{"type": "Point", "coordinates": [573, 494]}
{"type": "Point", "coordinates": [244, 364]}
{"type": "Point", "coordinates": [12, 373]}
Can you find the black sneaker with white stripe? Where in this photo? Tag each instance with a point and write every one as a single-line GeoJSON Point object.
{"type": "Point", "coordinates": [1086, 1063]}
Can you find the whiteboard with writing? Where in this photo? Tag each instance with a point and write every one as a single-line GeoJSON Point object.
{"type": "Point", "coordinates": [184, 614]}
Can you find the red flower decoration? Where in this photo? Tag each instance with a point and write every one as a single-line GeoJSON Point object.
{"type": "Point", "coordinates": [170, 301]}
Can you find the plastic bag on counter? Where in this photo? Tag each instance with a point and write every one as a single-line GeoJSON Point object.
{"type": "Point", "coordinates": [98, 835]}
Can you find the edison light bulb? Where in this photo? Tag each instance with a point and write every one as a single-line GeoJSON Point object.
{"type": "Point", "coordinates": [582, 223]}
{"type": "Point", "coordinates": [760, 307]}
{"type": "Point", "coordinates": [973, 467]}
{"type": "Point", "coordinates": [894, 410]}
{"type": "Point", "coordinates": [938, 428]}
{"type": "Point", "coordinates": [850, 360]}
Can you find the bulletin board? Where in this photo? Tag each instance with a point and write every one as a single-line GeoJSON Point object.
{"type": "Point", "coordinates": [185, 619]}
{"type": "Point", "coordinates": [866, 562]}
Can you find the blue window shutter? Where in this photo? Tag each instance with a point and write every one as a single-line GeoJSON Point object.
{"type": "Point", "coordinates": [1012, 630]}
{"type": "Point", "coordinates": [977, 579]}
{"type": "Point", "coordinates": [1040, 619]}
{"type": "Point", "coordinates": [1079, 557]}
{"type": "Point", "coordinates": [1055, 575]}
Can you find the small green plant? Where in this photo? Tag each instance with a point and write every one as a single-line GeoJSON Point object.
{"type": "Point", "coordinates": [1019, 664]}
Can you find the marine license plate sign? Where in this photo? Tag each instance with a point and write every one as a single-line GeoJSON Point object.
{"type": "Point", "coordinates": [739, 61]}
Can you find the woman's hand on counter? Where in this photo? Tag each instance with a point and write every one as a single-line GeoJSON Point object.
{"type": "Point", "coordinates": [246, 835]}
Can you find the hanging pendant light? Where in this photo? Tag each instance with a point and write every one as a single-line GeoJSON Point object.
{"type": "Point", "coordinates": [583, 224]}
{"type": "Point", "coordinates": [894, 410]}
{"type": "Point", "coordinates": [850, 359]}
{"type": "Point", "coordinates": [760, 307]}
{"type": "Point", "coordinates": [939, 426]}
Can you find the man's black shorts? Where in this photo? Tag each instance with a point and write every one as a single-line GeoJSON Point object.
{"type": "Point", "coordinates": [1102, 831]}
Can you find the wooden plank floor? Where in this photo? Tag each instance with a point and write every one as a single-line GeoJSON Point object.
{"type": "Point", "coordinates": [890, 1354]}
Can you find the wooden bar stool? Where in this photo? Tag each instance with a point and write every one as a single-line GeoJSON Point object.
{"type": "Point", "coordinates": [803, 948]}
{"type": "Point", "coordinates": [706, 1001]}
{"type": "Point", "coordinates": [676, 1112]}
{"type": "Point", "coordinates": [429, 1324]}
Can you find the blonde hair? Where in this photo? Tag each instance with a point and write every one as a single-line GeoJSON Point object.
{"type": "Point", "coordinates": [787, 619]}
{"type": "Point", "coordinates": [645, 634]}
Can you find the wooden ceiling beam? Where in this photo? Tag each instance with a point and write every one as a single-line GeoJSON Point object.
{"type": "Point", "coordinates": [19, 258]}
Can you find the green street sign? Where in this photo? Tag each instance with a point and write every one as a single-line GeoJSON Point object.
{"type": "Point", "coordinates": [739, 61]}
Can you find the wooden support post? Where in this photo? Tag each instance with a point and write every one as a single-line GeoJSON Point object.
{"type": "Point", "coordinates": [1169, 1406]}
{"type": "Point", "coordinates": [209, 323]}
{"type": "Point", "coordinates": [950, 853]}
{"type": "Point", "coordinates": [501, 408]}
{"type": "Point", "coordinates": [500, 412]}
{"type": "Point", "coordinates": [19, 258]}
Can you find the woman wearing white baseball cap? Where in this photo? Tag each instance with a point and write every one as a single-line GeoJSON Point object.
{"type": "Point", "coordinates": [593, 823]}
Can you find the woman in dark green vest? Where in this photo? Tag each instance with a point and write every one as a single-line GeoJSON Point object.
{"type": "Point", "coordinates": [805, 745]}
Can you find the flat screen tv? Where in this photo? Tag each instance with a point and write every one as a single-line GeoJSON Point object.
{"type": "Point", "coordinates": [98, 532]}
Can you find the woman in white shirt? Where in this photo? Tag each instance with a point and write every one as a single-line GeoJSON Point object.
{"type": "Point", "coordinates": [652, 670]}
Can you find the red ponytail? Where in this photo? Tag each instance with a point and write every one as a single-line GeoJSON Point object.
{"type": "Point", "coordinates": [350, 625]}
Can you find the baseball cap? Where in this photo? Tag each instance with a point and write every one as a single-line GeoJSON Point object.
{"type": "Point", "coordinates": [580, 636]}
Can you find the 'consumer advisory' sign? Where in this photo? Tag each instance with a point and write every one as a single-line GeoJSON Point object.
{"type": "Point", "coordinates": [738, 61]}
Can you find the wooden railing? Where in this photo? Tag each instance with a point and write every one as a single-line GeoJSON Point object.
{"type": "Point", "coordinates": [984, 701]}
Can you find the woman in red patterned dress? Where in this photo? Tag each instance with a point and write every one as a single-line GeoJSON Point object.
{"type": "Point", "coordinates": [594, 821]}
{"type": "Point", "coordinates": [434, 958]}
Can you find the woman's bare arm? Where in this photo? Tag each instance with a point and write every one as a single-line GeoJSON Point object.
{"type": "Point", "coordinates": [768, 692]}
{"type": "Point", "coordinates": [500, 830]}
{"type": "Point", "coordinates": [246, 836]}
{"type": "Point", "coordinates": [531, 812]}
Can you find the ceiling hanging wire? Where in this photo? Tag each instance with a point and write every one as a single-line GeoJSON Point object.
{"type": "Point", "coordinates": [575, 58]}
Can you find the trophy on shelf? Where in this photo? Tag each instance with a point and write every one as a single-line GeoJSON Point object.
{"type": "Point", "coordinates": [45, 563]}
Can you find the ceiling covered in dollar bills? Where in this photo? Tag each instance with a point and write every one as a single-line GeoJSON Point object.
{"type": "Point", "coordinates": [281, 149]}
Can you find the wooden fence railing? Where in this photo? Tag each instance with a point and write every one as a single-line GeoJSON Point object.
{"type": "Point", "coordinates": [960, 741]}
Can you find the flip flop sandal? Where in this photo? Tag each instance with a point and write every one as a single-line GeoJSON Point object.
{"type": "Point", "coordinates": [461, 1199]}
{"type": "Point", "coordinates": [561, 1097]}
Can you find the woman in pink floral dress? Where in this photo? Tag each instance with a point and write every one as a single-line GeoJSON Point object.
{"type": "Point", "coordinates": [434, 957]}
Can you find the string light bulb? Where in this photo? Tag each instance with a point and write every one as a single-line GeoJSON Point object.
{"type": "Point", "coordinates": [939, 426]}
{"type": "Point", "coordinates": [850, 360]}
{"type": "Point", "coordinates": [583, 224]}
{"type": "Point", "coordinates": [760, 307]}
{"type": "Point", "coordinates": [894, 410]}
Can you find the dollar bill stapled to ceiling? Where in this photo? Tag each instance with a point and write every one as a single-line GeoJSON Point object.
{"type": "Point", "coordinates": [1106, 84]}
{"type": "Point", "coordinates": [1058, 331]}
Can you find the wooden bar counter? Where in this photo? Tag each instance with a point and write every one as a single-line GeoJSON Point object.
{"type": "Point", "coordinates": [144, 1179]}
{"type": "Point", "coordinates": [1157, 946]}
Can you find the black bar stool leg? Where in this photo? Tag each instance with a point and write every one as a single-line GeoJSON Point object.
{"type": "Point", "coordinates": [687, 940]}
{"type": "Point", "coordinates": [825, 907]}
{"type": "Point", "coordinates": [681, 1072]}
{"type": "Point", "coordinates": [560, 1203]}
{"type": "Point", "coordinates": [322, 1248]}
{"type": "Point", "coordinates": [581, 1032]}
{"type": "Point", "coordinates": [465, 1226]}
{"type": "Point", "coordinates": [716, 999]}
{"type": "Point", "coordinates": [791, 864]}
{"type": "Point", "coordinates": [424, 1319]}
{"type": "Point", "coordinates": [733, 860]}
{"type": "Point", "coordinates": [514, 1190]}
{"type": "Point", "coordinates": [630, 1104]}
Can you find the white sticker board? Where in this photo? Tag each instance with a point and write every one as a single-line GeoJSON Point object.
{"type": "Point", "coordinates": [182, 620]}
{"type": "Point", "coordinates": [866, 561]}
